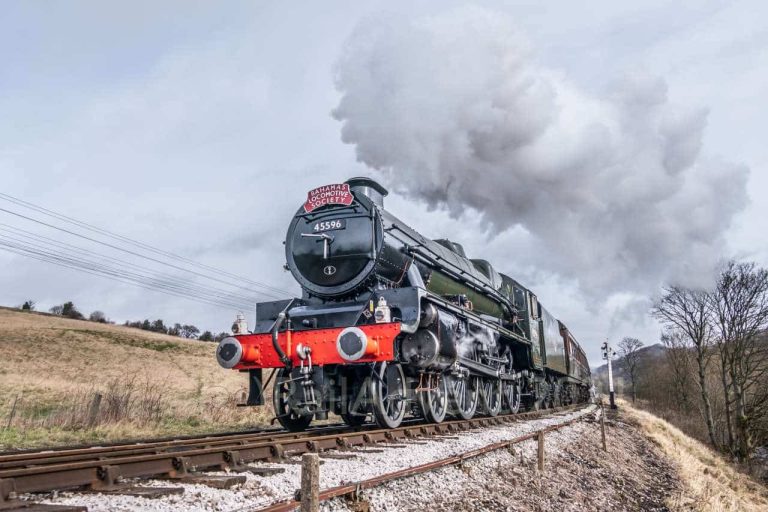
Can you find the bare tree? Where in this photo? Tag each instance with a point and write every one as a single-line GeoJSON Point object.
{"type": "Point", "coordinates": [740, 310]}
{"type": "Point", "coordinates": [159, 326]}
{"type": "Point", "coordinates": [679, 356]}
{"type": "Point", "coordinates": [67, 309]}
{"type": "Point", "coordinates": [723, 352]}
{"type": "Point", "coordinates": [688, 310]}
{"type": "Point", "coordinates": [189, 331]}
{"type": "Point", "coordinates": [98, 316]}
{"type": "Point", "coordinates": [628, 351]}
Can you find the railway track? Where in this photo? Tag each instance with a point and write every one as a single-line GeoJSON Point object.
{"type": "Point", "coordinates": [11, 460]}
{"type": "Point", "coordinates": [353, 490]}
{"type": "Point", "coordinates": [106, 468]}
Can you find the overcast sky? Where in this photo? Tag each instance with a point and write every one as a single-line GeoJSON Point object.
{"type": "Point", "coordinates": [198, 127]}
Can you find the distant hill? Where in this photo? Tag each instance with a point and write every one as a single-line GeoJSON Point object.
{"type": "Point", "coordinates": [648, 355]}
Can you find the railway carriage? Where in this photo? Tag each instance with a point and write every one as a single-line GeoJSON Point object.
{"type": "Point", "coordinates": [391, 324]}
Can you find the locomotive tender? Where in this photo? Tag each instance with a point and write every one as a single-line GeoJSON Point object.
{"type": "Point", "coordinates": [392, 323]}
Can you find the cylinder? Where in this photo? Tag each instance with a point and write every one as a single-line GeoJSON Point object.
{"type": "Point", "coordinates": [434, 347]}
{"type": "Point", "coordinates": [420, 348]}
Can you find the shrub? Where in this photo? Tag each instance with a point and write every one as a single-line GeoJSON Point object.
{"type": "Point", "coordinates": [98, 316]}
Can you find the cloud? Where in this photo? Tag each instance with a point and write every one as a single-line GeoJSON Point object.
{"type": "Point", "coordinates": [613, 191]}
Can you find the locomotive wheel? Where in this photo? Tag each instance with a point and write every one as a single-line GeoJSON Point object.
{"type": "Point", "coordinates": [356, 411]}
{"type": "Point", "coordinates": [434, 402]}
{"type": "Point", "coordinates": [490, 394]}
{"type": "Point", "coordinates": [353, 420]}
{"type": "Point", "coordinates": [535, 402]}
{"type": "Point", "coordinates": [552, 396]}
{"type": "Point", "coordinates": [286, 415]}
{"type": "Point", "coordinates": [388, 394]}
{"type": "Point", "coordinates": [511, 392]}
{"type": "Point", "coordinates": [558, 395]}
{"type": "Point", "coordinates": [464, 396]}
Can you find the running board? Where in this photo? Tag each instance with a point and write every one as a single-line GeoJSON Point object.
{"type": "Point", "coordinates": [478, 368]}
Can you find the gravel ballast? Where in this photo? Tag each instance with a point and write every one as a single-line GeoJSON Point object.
{"type": "Point", "coordinates": [259, 491]}
{"type": "Point", "coordinates": [632, 476]}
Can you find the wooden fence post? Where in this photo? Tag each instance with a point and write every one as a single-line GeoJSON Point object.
{"type": "Point", "coordinates": [310, 482]}
{"type": "Point", "coordinates": [541, 451]}
{"type": "Point", "coordinates": [93, 411]}
{"type": "Point", "coordinates": [13, 413]}
{"type": "Point", "coordinates": [602, 428]}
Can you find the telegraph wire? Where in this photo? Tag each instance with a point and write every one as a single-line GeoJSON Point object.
{"type": "Point", "coordinates": [134, 253]}
{"type": "Point", "coordinates": [73, 248]}
{"type": "Point", "coordinates": [119, 274]}
{"type": "Point", "coordinates": [167, 292]}
{"type": "Point", "coordinates": [136, 243]}
{"type": "Point", "coordinates": [143, 271]}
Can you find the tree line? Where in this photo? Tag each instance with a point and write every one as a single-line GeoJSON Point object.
{"type": "Point", "coordinates": [189, 331]}
{"type": "Point", "coordinates": [181, 330]}
{"type": "Point", "coordinates": [715, 361]}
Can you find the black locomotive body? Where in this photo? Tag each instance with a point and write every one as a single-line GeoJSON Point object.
{"type": "Point", "coordinates": [391, 323]}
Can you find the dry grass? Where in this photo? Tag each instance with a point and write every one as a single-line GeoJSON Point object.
{"type": "Point", "coordinates": [151, 384]}
{"type": "Point", "coordinates": [710, 483]}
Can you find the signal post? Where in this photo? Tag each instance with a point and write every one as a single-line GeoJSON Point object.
{"type": "Point", "coordinates": [608, 356]}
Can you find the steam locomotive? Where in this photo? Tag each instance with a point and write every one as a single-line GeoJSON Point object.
{"type": "Point", "coordinates": [391, 323]}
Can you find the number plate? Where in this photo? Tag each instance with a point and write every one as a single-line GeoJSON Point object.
{"type": "Point", "coordinates": [329, 225]}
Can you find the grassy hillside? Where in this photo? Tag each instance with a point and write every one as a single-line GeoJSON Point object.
{"type": "Point", "coordinates": [150, 384]}
{"type": "Point", "coordinates": [709, 482]}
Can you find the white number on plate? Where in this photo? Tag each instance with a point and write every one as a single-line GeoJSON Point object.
{"type": "Point", "coordinates": [327, 225]}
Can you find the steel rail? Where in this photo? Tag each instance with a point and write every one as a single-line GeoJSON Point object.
{"type": "Point", "coordinates": [102, 452]}
{"type": "Point", "coordinates": [125, 442]}
{"type": "Point", "coordinates": [104, 474]}
{"type": "Point", "coordinates": [354, 488]}
{"type": "Point", "coordinates": [10, 460]}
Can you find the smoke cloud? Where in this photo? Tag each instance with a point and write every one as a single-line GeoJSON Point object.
{"type": "Point", "coordinates": [612, 192]}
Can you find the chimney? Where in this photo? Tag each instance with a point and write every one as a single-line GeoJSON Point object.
{"type": "Point", "coordinates": [370, 188]}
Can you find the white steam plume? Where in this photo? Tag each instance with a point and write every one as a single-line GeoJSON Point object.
{"type": "Point", "coordinates": [613, 191]}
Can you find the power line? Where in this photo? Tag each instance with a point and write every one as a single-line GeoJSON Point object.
{"type": "Point", "coordinates": [18, 232]}
{"type": "Point", "coordinates": [63, 264]}
{"type": "Point", "coordinates": [116, 274]}
{"type": "Point", "coordinates": [22, 253]}
{"type": "Point", "coordinates": [75, 254]}
{"type": "Point", "coordinates": [136, 243]}
{"type": "Point", "coordinates": [134, 253]}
